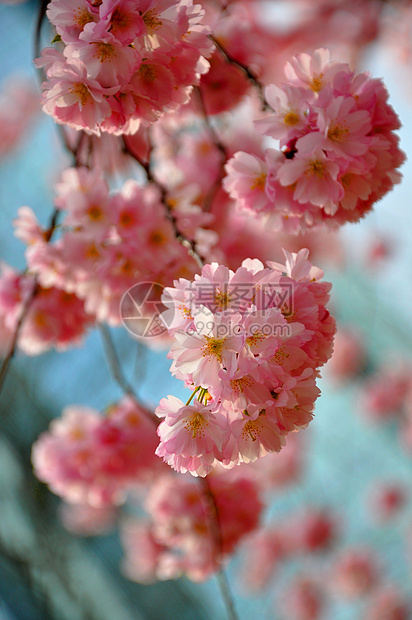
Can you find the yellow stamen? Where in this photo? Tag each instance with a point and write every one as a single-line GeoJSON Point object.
{"type": "Point", "coordinates": [213, 347]}
{"type": "Point", "coordinates": [318, 82]}
{"type": "Point", "coordinates": [222, 300]}
{"type": "Point", "coordinates": [105, 51]}
{"type": "Point", "coordinates": [238, 385]}
{"type": "Point", "coordinates": [317, 169]}
{"type": "Point", "coordinates": [196, 425]}
{"type": "Point", "coordinates": [251, 430]}
{"type": "Point", "coordinates": [338, 132]}
{"type": "Point", "coordinates": [259, 182]}
{"type": "Point", "coordinates": [81, 91]}
{"type": "Point", "coordinates": [291, 118]}
{"type": "Point", "coordinates": [152, 21]}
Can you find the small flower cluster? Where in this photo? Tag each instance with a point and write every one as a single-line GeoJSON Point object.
{"type": "Point", "coordinates": [123, 62]}
{"type": "Point", "coordinates": [108, 241]}
{"type": "Point", "coordinates": [249, 343]}
{"type": "Point", "coordinates": [338, 150]}
{"type": "Point", "coordinates": [55, 318]}
{"type": "Point", "coordinates": [181, 536]}
{"type": "Point", "coordinates": [87, 458]}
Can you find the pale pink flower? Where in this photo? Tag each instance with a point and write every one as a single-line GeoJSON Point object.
{"type": "Point", "coordinates": [19, 106]}
{"type": "Point", "coordinates": [246, 181]}
{"type": "Point", "coordinates": [223, 86]}
{"type": "Point", "coordinates": [70, 18]}
{"type": "Point", "coordinates": [345, 127]}
{"type": "Point", "coordinates": [122, 19]}
{"type": "Point", "coordinates": [191, 436]}
{"type": "Point", "coordinates": [27, 227]}
{"type": "Point", "coordinates": [290, 118]}
{"type": "Point", "coordinates": [88, 458]}
{"type": "Point", "coordinates": [73, 98]}
{"type": "Point", "coordinates": [254, 436]}
{"type": "Point", "coordinates": [212, 345]}
{"type": "Point", "coordinates": [107, 60]}
{"type": "Point", "coordinates": [314, 71]}
{"type": "Point", "coordinates": [315, 175]}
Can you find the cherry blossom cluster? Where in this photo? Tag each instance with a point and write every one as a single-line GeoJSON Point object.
{"type": "Point", "coordinates": [55, 317]}
{"type": "Point", "coordinates": [338, 153]}
{"type": "Point", "coordinates": [122, 62]}
{"type": "Point", "coordinates": [88, 458]}
{"type": "Point", "coordinates": [249, 343]}
{"type": "Point", "coordinates": [180, 537]}
{"type": "Point", "coordinates": [108, 240]}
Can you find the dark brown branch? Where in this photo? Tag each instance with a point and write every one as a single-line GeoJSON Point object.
{"type": "Point", "coordinates": [15, 337]}
{"type": "Point", "coordinates": [246, 70]}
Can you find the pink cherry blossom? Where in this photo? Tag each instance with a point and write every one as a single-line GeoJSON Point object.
{"type": "Point", "coordinates": [191, 436]}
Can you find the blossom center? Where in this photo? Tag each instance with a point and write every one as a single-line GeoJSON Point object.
{"type": "Point", "coordinates": [196, 425]}
{"type": "Point", "coordinates": [259, 182]}
{"type": "Point", "coordinates": [213, 347]}
{"type": "Point", "coordinates": [119, 19]}
{"type": "Point", "coordinates": [92, 252]}
{"type": "Point", "coordinates": [318, 82]}
{"type": "Point", "coordinates": [81, 91]}
{"type": "Point", "coordinates": [291, 118]}
{"type": "Point", "coordinates": [148, 73]}
{"type": "Point", "coordinates": [222, 300]}
{"type": "Point", "coordinates": [316, 169]}
{"type": "Point", "coordinates": [157, 238]}
{"type": "Point", "coordinates": [152, 21]}
{"type": "Point", "coordinates": [346, 180]}
{"type": "Point", "coordinates": [81, 17]}
{"type": "Point", "coordinates": [338, 132]}
{"type": "Point", "coordinates": [95, 213]}
{"type": "Point", "coordinates": [105, 52]}
{"type": "Point", "coordinates": [251, 430]}
{"type": "Point", "coordinates": [238, 385]}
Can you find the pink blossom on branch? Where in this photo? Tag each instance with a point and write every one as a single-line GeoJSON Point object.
{"type": "Point", "coordinates": [123, 62]}
{"type": "Point", "coordinates": [249, 344]}
{"type": "Point", "coordinates": [338, 153]}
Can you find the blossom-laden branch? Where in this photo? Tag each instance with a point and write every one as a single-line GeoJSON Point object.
{"type": "Point", "coordinates": [188, 244]}
{"type": "Point", "coordinates": [253, 79]}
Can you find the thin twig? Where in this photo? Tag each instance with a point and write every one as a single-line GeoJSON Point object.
{"type": "Point", "coordinates": [248, 72]}
{"type": "Point", "coordinates": [116, 370]}
{"type": "Point", "coordinates": [13, 344]}
{"type": "Point", "coordinates": [208, 201]}
{"type": "Point", "coordinates": [39, 23]}
{"type": "Point", "coordinates": [25, 308]}
{"type": "Point", "coordinates": [187, 243]}
{"type": "Point", "coordinates": [217, 535]}
{"type": "Point", "coordinates": [114, 363]}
